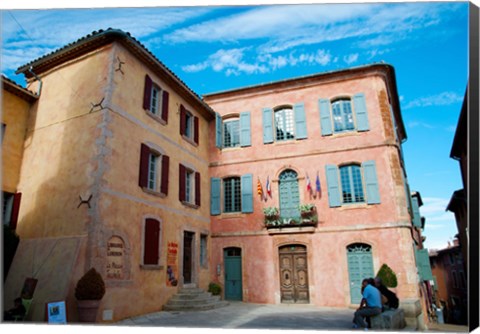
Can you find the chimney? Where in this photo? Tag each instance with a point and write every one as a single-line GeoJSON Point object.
{"type": "Point", "coordinates": [456, 242]}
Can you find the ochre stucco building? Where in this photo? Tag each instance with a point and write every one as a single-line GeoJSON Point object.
{"type": "Point", "coordinates": [127, 170]}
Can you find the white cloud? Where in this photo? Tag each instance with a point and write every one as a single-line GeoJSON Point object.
{"type": "Point", "coordinates": [415, 124]}
{"type": "Point", "coordinates": [434, 210]}
{"type": "Point", "coordinates": [441, 99]}
{"type": "Point", "coordinates": [350, 59]}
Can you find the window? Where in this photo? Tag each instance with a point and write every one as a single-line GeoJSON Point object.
{"type": "Point", "coordinates": [154, 170]}
{"type": "Point", "coordinates": [189, 125]}
{"type": "Point", "coordinates": [284, 129]}
{"type": "Point", "coordinates": [10, 209]}
{"type": "Point", "coordinates": [285, 123]}
{"type": "Point", "coordinates": [203, 251]}
{"type": "Point", "coordinates": [352, 186]}
{"type": "Point", "coordinates": [189, 186]}
{"type": "Point", "coordinates": [353, 183]}
{"type": "Point", "coordinates": [231, 133]}
{"type": "Point", "coordinates": [155, 100]}
{"type": "Point", "coordinates": [232, 195]}
{"type": "Point", "coordinates": [237, 194]}
{"type": "Point", "coordinates": [343, 114]}
{"type": "Point", "coordinates": [289, 196]}
{"type": "Point", "coordinates": [151, 246]}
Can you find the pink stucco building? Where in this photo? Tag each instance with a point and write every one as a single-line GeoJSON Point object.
{"type": "Point", "coordinates": [331, 140]}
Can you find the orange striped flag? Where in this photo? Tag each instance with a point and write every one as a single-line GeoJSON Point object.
{"type": "Point", "coordinates": [259, 188]}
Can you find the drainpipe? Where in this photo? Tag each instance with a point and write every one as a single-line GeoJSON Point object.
{"type": "Point", "coordinates": [38, 79]}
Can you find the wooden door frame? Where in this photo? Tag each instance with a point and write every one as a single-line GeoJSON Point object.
{"type": "Point", "coordinates": [279, 273]}
{"type": "Point", "coordinates": [193, 280]}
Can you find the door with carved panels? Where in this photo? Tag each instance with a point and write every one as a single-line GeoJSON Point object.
{"type": "Point", "coordinates": [294, 274]}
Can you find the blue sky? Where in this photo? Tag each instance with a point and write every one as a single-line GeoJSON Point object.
{"type": "Point", "coordinates": [214, 48]}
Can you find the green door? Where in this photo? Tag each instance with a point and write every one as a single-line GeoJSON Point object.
{"type": "Point", "coordinates": [289, 195]}
{"type": "Point", "coordinates": [360, 266]}
{"type": "Point", "coordinates": [233, 273]}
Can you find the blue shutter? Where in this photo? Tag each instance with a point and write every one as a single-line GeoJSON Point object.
{"type": "Point", "coordinates": [325, 117]}
{"type": "Point", "coordinates": [247, 193]}
{"type": "Point", "coordinates": [267, 125]}
{"type": "Point", "coordinates": [423, 264]}
{"type": "Point", "coordinates": [371, 182]}
{"type": "Point", "coordinates": [245, 136]}
{"type": "Point", "coordinates": [333, 186]}
{"type": "Point", "coordinates": [416, 213]}
{"type": "Point", "coordinates": [360, 107]}
{"type": "Point", "coordinates": [300, 121]}
{"type": "Point", "coordinates": [218, 131]}
{"type": "Point", "coordinates": [215, 196]}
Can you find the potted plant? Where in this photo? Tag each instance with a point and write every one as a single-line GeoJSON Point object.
{"type": "Point", "coordinates": [308, 213]}
{"type": "Point", "coordinates": [89, 291]}
{"type": "Point", "coordinates": [271, 215]}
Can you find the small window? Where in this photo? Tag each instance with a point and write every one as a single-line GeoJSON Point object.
{"type": "Point", "coordinates": [284, 124]}
{"type": "Point", "coordinates": [151, 250]}
{"type": "Point", "coordinates": [189, 125]}
{"type": "Point", "coordinates": [153, 170]}
{"type": "Point", "coordinates": [156, 100]}
{"type": "Point", "coordinates": [232, 194]}
{"type": "Point", "coordinates": [342, 115]}
{"type": "Point", "coordinates": [7, 208]}
{"type": "Point", "coordinates": [352, 185]}
{"type": "Point", "coordinates": [231, 133]}
{"type": "Point", "coordinates": [189, 186]}
{"type": "Point", "coordinates": [203, 251]}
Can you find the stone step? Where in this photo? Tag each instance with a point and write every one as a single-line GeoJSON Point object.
{"type": "Point", "coordinates": [193, 299]}
{"type": "Point", "coordinates": [202, 307]}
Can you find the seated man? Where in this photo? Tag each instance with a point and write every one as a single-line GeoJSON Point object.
{"type": "Point", "coordinates": [370, 305]}
{"type": "Point", "coordinates": [17, 311]}
{"type": "Point", "coordinates": [390, 296]}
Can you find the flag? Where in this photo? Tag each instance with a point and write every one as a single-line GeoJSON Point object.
{"type": "Point", "coordinates": [269, 187]}
{"type": "Point", "coordinates": [309, 185]}
{"type": "Point", "coordinates": [317, 185]}
{"type": "Point", "coordinates": [259, 188]}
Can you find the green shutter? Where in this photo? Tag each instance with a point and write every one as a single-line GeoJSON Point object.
{"type": "Point", "coordinates": [423, 264]}
{"type": "Point", "coordinates": [215, 196]}
{"type": "Point", "coordinates": [360, 107]}
{"type": "Point", "coordinates": [325, 117]}
{"type": "Point", "coordinates": [247, 193]}
{"type": "Point", "coordinates": [245, 135]}
{"type": "Point", "coordinates": [218, 131]}
{"type": "Point", "coordinates": [417, 222]}
{"type": "Point", "coordinates": [333, 186]}
{"type": "Point", "coordinates": [300, 121]}
{"type": "Point", "coordinates": [267, 125]}
{"type": "Point", "coordinates": [371, 182]}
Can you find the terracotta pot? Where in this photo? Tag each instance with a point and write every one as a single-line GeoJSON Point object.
{"type": "Point", "coordinates": [87, 310]}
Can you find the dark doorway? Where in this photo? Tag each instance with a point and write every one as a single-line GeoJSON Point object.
{"type": "Point", "coordinates": [187, 257]}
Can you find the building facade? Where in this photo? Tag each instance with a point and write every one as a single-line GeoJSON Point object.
{"type": "Point", "coordinates": [331, 141]}
{"type": "Point", "coordinates": [127, 170]}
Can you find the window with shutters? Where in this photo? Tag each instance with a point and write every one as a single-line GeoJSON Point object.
{"type": "Point", "coordinates": [151, 242]}
{"type": "Point", "coordinates": [352, 184]}
{"type": "Point", "coordinates": [343, 114]}
{"type": "Point", "coordinates": [155, 100]}
{"type": "Point", "coordinates": [236, 194]}
{"type": "Point", "coordinates": [189, 125]}
{"type": "Point", "coordinates": [284, 123]}
{"type": "Point", "coordinates": [154, 171]}
{"type": "Point", "coordinates": [232, 194]}
{"type": "Point", "coordinates": [189, 186]}
{"type": "Point", "coordinates": [231, 133]}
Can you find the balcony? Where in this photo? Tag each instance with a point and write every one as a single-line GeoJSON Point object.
{"type": "Point", "coordinates": [306, 223]}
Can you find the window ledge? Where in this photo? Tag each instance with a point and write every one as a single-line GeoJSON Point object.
{"type": "Point", "coordinates": [153, 192]}
{"type": "Point", "coordinates": [355, 206]}
{"type": "Point", "coordinates": [156, 117]}
{"type": "Point", "coordinates": [190, 205]}
{"type": "Point", "coordinates": [227, 215]}
{"type": "Point", "coordinates": [151, 267]}
{"type": "Point", "coordinates": [190, 140]}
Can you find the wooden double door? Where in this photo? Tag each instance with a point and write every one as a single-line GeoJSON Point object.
{"type": "Point", "coordinates": [294, 274]}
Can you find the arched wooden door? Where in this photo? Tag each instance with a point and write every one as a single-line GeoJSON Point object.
{"type": "Point", "coordinates": [360, 266]}
{"type": "Point", "coordinates": [289, 194]}
{"type": "Point", "coordinates": [294, 274]}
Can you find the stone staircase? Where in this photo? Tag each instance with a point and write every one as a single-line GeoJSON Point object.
{"type": "Point", "coordinates": [193, 299]}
